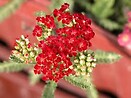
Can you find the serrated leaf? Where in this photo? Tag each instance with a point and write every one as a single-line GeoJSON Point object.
{"type": "Point", "coordinates": [83, 83]}
{"type": "Point", "coordinates": [106, 57]}
{"type": "Point", "coordinates": [13, 66]}
{"type": "Point", "coordinates": [111, 25]}
{"type": "Point", "coordinates": [78, 81]}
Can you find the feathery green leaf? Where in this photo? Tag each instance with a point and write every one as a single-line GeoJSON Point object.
{"type": "Point", "coordinates": [83, 83]}
{"type": "Point", "coordinates": [78, 81]}
{"type": "Point", "coordinates": [9, 8]}
{"type": "Point", "coordinates": [13, 66]}
{"type": "Point", "coordinates": [106, 57]}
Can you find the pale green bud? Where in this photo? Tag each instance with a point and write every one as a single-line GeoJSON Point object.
{"type": "Point", "coordinates": [32, 54]}
{"type": "Point", "coordinates": [82, 62]}
{"type": "Point", "coordinates": [22, 37]}
{"type": "Point", "coordinates": [22, 43]}
{"type": "Point", "coordinates": [88, 64]}
{"type": "Point", "coordinates": [76, 61]}
{"type": "Point", "coordinates": [82, 57]}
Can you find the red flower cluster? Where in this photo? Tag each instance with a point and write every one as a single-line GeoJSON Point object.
{"type": "Point", "coordinates": [37, 31]}
{"type": "Point", "coordinates": [47, 22]}
{"type": "Point", "coordinates": [54, 62]}
{"type": "Point", "coordinates": [54, 66]}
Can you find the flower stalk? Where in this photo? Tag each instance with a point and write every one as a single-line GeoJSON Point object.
{"type": "Point", "coordinates": [49, 90]}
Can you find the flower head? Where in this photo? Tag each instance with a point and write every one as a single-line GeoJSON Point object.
{"type": "Point", "coordinates": [61, 40]}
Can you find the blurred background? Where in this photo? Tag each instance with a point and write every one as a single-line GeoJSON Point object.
{"type": "Point", "coordinates": [111, 22]}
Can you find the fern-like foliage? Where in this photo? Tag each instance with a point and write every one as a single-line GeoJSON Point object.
{"type": "Point", "coordinates": [102, 12]}
{"type": "Point", "coordinates": [13, 66]}
{"type": "Point", "coordinates": [103, 8]}
{"type": "Point", "coordinates": [83, 83]}
{"type": "Point", "coordinates": [79, 81]}
{"type": "Point", "coordinates": [106, 57]}
{"type": "Point", "coordinates": [9, 8]}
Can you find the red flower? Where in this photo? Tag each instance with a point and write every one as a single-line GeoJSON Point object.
{"type": "Point", "coordinates": [48, 21]}
{"type": "Point", "coordinates": [53, 64]}
{"type": "Point", "coordinates": [64, 7]}
{"type": "Point", "coordinates": [57, 13]}
{"type": "Point", "coordinates": [37, 31]}
{"type": "Point", "coordinates": [65, 17]}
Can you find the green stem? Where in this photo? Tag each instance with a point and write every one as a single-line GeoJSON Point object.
{"type": "Point", "coordinates": [49, 90]}
{"type": "Point", "coordinates": [91, 91]}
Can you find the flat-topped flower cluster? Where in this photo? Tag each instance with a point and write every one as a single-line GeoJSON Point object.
{"type": "Point", "coordinates": [61, 37]}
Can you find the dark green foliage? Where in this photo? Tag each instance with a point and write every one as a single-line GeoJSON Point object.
{"type": "Point", "coordinates": [108, 13]}
{"type": "Point", "coordinates": [102, 8]}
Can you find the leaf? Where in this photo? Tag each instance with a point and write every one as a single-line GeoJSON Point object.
{"type": "Point", "coordinates": [78, 81]}
{"type": "Point", "coordinates": [9, 8]}
{"type": "Point", "coordinates": [85, 4]}
{"type": "Point", "coordinates": [83, 83]}
{"type": "Point", "coordinates": [111, 25]}
{"type": "Point", "coordinates": [106, 57]}
{"type": "Point", "coordinates": [103, 8]}
{"type": "Point", "coordinates": [13, 66]}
